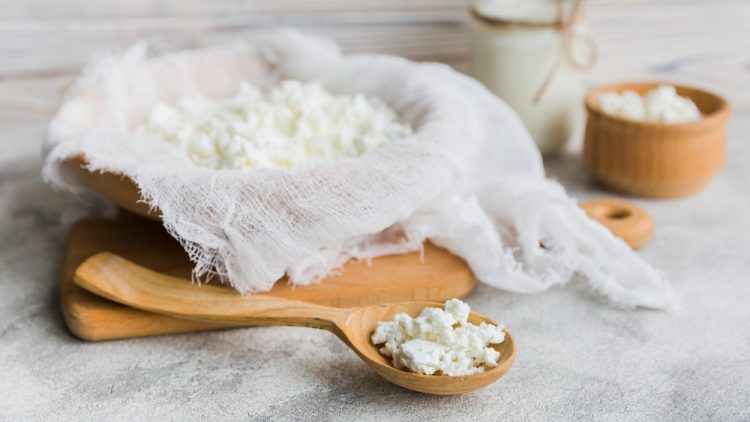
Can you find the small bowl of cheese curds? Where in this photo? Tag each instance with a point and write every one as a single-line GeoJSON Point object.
{"type": "Point", "coordinates": [654, 139]}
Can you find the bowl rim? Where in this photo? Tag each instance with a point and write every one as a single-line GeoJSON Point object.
{"type": "Point", "coordinates": [717, 117]}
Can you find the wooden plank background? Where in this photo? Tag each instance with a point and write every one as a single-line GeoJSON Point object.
{"type": "Point", "coordinates": [44, 43]}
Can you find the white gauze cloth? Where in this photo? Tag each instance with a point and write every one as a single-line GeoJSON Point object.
{"type": "Point", "coordinates": [469, 179]}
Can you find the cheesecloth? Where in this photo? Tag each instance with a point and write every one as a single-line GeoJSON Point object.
{"type": "Point", "coordinates": [469, 179]}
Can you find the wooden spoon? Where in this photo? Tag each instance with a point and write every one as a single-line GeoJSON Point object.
{"type": "Point", "coordinates": [624, 219]}
{"type": "Point", "coordinates": [120, 280]}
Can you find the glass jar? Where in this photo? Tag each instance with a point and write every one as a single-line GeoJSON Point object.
{"type": "Point", "coordinates": [528, 52]}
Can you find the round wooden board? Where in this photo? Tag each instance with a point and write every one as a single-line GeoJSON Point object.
{"type": "Point", "coordinates": [437, 276]}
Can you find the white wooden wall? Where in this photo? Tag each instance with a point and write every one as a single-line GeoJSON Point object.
{"type": "Point", "coordinates": [43, 43]}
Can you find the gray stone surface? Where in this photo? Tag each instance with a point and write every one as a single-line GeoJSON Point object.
{"type": "Point", "coordinates": [578, 358]}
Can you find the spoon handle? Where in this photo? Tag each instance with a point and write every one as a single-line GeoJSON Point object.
{"type": "Point", "coordinates": [115, 278]}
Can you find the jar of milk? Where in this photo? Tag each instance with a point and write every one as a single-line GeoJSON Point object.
{"type": "Point", "coordinates": [531, 53]}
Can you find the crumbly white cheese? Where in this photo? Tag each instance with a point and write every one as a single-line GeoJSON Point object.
{"type": "Point", "coordinates": [439, 342]}
{"type": "Point", "coordinates": [294, 124]}
{"type": "Point", "coordinates": [658, 105]}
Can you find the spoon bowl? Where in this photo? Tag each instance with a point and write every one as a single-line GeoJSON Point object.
{"type": "Point", "coordinates": [115, 278]}
{"type": "Point", "coordinates": [362, 322]}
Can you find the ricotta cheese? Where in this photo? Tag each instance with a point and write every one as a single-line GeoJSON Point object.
{"type": "Point", "coordinates": [658, 105]}
{"type": "Point", "coordinates": [294, 124]}
{"type": "Point", "coordinates": [439, 342]}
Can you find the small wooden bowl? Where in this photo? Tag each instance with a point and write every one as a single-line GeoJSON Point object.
{"type": "Point", "coordinates": [653, 159]}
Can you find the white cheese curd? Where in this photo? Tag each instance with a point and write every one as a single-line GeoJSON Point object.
{"type": "Point", "coordinates": [439, 342]}
{"type": "Point", "coordinates": [658, 105]}
{"type": "Point", "coordinates": [294, 124]}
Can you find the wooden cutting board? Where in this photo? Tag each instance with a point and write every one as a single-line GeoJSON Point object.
{"type": "Point", "coordinates": [438, 276]}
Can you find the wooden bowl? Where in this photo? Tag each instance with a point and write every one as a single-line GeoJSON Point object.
{"type": "Point", "coordinates": [655, 159]}
{"type": "Point", "coordinates": [118, 188]}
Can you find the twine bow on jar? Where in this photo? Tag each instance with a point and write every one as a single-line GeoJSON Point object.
{"type": "Point", "coordinates": [565, 25]}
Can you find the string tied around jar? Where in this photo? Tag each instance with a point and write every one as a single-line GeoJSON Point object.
{"type": "Point", "coordinates": [565, 25]}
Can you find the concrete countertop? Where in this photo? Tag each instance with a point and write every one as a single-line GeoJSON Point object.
{"type": "Point", "coordinates": [578, 358]}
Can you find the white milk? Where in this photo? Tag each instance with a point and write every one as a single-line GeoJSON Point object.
{"type": "Point", "coordinates": [520, 49]}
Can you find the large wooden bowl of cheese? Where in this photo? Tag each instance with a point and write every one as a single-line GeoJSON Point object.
{"type": "Point", "coordinates": [118, 188]}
